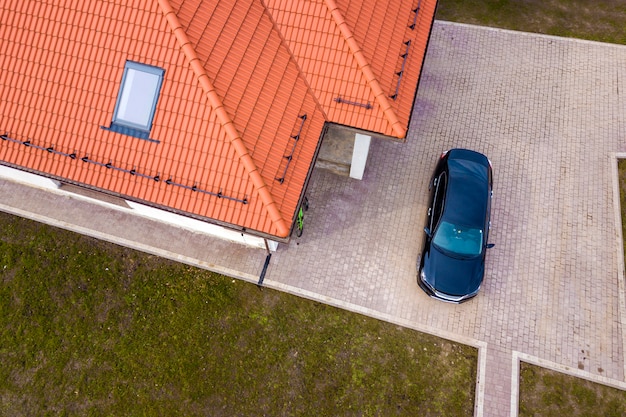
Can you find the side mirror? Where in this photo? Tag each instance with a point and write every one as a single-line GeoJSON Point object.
{"type": "Point", "coordinates": [490, 245]}
{"type": "Point", "coordinates": [427, 231]}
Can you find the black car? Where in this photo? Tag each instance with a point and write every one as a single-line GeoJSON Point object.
{"type": "Point", "coordinates": [452, 265]}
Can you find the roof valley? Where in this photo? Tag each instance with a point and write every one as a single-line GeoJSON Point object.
{"type": "Point", "coordinates": [226, 121]}
{"type": "Point", "coordinates": [294, 59]}
{"type": "Point", "coordinates": [366, 68]}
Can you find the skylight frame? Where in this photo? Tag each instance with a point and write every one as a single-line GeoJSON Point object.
{"type": "Point", "coordinates": [134, 115]}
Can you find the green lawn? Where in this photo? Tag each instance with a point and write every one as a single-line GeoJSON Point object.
{"type": "Point", "coordinates": [548, 393]}
{"type": "Point", "coordinates": [599, 20]}
{"type": "Point", "coordinates": [90, 328]}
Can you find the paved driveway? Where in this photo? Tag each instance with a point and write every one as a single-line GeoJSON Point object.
{"type": "Point", "coordinates": [551, 114]}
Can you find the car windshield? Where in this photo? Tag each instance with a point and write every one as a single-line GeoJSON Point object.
{"type": "Point", "coordinates": [458, 240]}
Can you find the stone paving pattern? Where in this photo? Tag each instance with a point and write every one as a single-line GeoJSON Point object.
{"type": "Point", "coordinates": [550, 115]}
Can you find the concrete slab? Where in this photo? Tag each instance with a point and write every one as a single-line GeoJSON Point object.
{"type": "Point", "coordinates": [336, 151]}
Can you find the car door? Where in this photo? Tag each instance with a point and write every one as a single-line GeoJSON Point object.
{"type": "Point", "coordinates": [488, 214]}
{"type": "Point", "coordinates": [436, 210]}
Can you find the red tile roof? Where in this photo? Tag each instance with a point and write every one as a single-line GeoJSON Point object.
{"type": "Point", "coordinates": [247, 89]}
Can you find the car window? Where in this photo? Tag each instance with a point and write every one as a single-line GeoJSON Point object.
{"type": "Point", "coordinates": [488, 216]}
{"type": "Point", "coordinates": [458, 239]}
{"type": "Point", "coordinates": [438, 201]}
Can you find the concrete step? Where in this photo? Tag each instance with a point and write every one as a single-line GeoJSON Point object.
{"type": "Point", "coordinates": [336, 151]}
{"type": "Point", "coordinates": [333, 166]}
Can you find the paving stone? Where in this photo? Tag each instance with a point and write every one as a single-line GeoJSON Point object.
{"type": "Point", "coordinates": [547, 112]}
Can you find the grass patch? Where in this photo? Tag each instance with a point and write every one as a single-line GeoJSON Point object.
{"type": "Point", "coordinates": [91, 328]}
{"type": "Point", "coordinates": [599, 20]}
{"type": "Point", "coordinates": [544, 392]}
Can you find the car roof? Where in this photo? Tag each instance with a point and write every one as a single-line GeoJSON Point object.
{"type": "Point", "coordinates": [468, 189]}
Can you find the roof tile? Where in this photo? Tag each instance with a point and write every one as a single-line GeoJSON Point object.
{"type": "Point", "coordinates": [261, 71]}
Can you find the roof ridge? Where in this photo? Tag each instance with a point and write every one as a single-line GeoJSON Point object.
{"type": "Point", "coordinates": [366, 68]}
{"type": "Point", "coordinates": [225, 120]}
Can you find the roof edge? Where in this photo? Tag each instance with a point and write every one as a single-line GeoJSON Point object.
{"type": "Point", "coordinates": [226, 121]}
{"type": "Point", "coordinates": [366, 69]}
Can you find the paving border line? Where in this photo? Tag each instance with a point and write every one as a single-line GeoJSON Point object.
{"type": "Point", "coordinates": [621, 286]}
{"type": "Point", "coordinates": [518, 357]}
{"type": "Point", "coordinates": [130, 244]}
{"type": "Point", "coordinates": [528, 34]}
{"type": "Point", "coordinates": [479, 402]}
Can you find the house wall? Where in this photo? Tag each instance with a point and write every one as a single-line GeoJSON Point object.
{"type": "Point", "coordinates": [202, 227]}
{"type": "Point", "coordinates": [220, 232]}
{"type": "Point", "coordinates": [28, 178]}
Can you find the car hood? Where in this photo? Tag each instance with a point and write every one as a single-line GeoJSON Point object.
{"type": "Point", "coordinates": [451, 275]}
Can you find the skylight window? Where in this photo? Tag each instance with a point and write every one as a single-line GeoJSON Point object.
{"type": "Point", "coordinates": [137, 99]}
